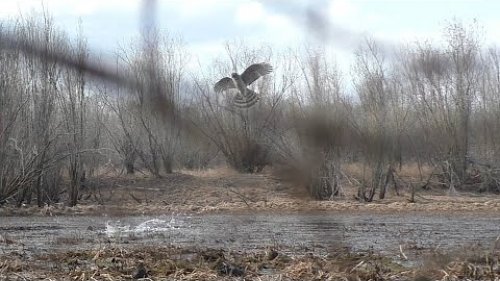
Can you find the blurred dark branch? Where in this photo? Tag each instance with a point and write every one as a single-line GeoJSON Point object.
{"type": "Point", "coordinates": [90, 66]}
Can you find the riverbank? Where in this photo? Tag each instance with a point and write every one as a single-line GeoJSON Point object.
{"type": "Point", "coordinates": [223, 190]}
{"type": "Point", "coordinates": [434, 204]}
{"type": "Point", "coordinates": [255, 246]}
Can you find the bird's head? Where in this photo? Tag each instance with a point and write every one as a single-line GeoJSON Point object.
{"type": "Point", "coordinates": [235, 76]}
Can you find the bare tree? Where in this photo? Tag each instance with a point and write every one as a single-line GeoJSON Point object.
{"type": "Point", "coordinates": [373, 120]}
{"type": "Point", "coordinates": [444, 86]}
{"type": "Point", "coordinates": [320, 122]}
{"type": "Point", "coordinates": [30, 132]}
{"type": "Point", "coordinates": [159, 61]}
{"type": "Point", "coordinates": [240, 133]}
{"type": "Point", "coordinates": [74, 108]}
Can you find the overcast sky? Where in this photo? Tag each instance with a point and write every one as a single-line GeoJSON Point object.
{"type": "Point", "coordinates": [205, 25]}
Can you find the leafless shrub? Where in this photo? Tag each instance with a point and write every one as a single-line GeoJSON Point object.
{"type": "Point", "coordinates": [240, 134]}
{"type": "Point", "coordinates": [160, 59]}
{"type": "Point", "coordinates": [434, 106]}
{"type": "Point", "coordinates": [31, 127]}
{"type": "Point", "coordinates": [319, 125]}
{"type": "Point", "coordinates": [444, 86]}
{"type": "Point", "coordinates": [374, 121]}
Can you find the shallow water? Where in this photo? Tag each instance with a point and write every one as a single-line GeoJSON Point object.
{"type": "Point", "coordinates": [294, 233]}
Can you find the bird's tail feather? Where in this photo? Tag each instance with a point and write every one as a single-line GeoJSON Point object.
{"type": "Point", "coordinates": [245, 100]}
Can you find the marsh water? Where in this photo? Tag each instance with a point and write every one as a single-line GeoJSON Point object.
{"type": "Point", "coordinates": [294, 233]}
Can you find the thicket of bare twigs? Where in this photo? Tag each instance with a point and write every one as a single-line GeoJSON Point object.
{"type": "Point", "coordinates": [437, 106]}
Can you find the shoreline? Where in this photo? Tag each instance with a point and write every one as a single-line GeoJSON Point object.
{"type": "Point", "coordinates": [491, 206]}
{"type": "Point", "coordinates": [221, 191]}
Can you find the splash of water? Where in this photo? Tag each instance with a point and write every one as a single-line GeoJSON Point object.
{"type": "Point", "coordinates": [156, 225]}
{"type": "Point", "coordinates": [118, 228]}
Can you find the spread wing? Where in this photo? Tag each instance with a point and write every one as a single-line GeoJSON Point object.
{"type": "Point", "coordinates": [255, 71]}
{"type": "Point", "coordinates": [224, 84]}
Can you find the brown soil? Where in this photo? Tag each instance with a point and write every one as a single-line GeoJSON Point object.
{"type": "Point", "coordinates": [223, 190]}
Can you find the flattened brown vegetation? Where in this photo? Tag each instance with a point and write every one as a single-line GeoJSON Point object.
{"type": "Point", "coordinates": [170, 263]}
{"type": "Point", "coordinates": [224, 190]}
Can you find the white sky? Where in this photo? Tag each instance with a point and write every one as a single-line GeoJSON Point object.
{"type": "Point", "coordinates": [205, 25]}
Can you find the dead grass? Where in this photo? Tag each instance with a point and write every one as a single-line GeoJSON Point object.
{"type": "Point", "coordinates": [172, 263]}
{"type": "Point", "coordinates": [408, 171]}
{"type": "Point", "coordinates": [193, 264]}
{"type": "Point", "coordinates": [219, 172]}
{"type": "Point", "coordinates": [413, 171]}
{"type": "Point", "coordinates": [224, 190]}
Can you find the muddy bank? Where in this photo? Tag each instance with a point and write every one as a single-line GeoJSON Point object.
{"type": "Point", "coordinates": [432, 204]}
{"type": "Point", "coordinates": [225, 191]}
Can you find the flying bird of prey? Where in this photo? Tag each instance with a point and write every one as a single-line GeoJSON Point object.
{"type": "Point", "coordinates": [245, 97]}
